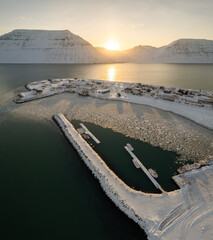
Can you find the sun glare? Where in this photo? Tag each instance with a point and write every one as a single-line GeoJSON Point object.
{"type": "Point", "coordinates": [111, 74]}
{"type": "Point", "coordinates": [112, 45]}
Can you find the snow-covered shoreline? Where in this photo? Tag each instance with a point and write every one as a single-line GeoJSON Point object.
{"type": "Point", "coordinates": [162, 216]}
{"type": "Point", "coordinates": [88, 155]}
{"type": "Point", "coordinates": [192, 104]}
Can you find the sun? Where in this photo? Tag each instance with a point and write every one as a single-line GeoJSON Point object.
{"type": "Point", "coordinates": [112, 45]}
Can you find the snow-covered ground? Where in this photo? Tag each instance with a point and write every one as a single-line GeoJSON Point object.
{"type": "Point", "coordinates": [183, 214]}
{"type": "Point", "coordinates": [160, 128]}
{"type": "Point", "coordinates": [193, 104]}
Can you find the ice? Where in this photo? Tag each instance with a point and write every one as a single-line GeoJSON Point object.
{"type": "Point", "coordinates": [144, 123]}
{"type": "Point", "coordinates": [183, 214]}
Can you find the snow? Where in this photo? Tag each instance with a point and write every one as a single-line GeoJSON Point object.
{"type": "Point", "coordinates": [185, 102]}
{"type": "Point", "coordinates": [45, 46]}
{"type": "Point", "coordinates": [202, 116]}
{"type": "Point", "coordinates": [187, 51]}
{"type": "Point", "coordinates": [86, 131]}
{"type": "Point", "coordinates": [183, 214]}
{"type": "Point", "coordinates": [62, 46]}
{"type": "Point", "coordinates": [166, 130]}
{"type": "Point", "coordinates": [179, 51]}
{"type": "Point", "coordinates": [138, 164]}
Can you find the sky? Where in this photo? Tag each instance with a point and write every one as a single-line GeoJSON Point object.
{"type": "Point", "coordinates": [129, 22]}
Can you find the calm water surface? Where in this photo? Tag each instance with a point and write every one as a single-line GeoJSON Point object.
{"type": "Point", "coordinates": [195, 76]}
{"type": "Point", "coordinates": [47, 192]}
{"type": "Point", "coordinates": [116, 157]}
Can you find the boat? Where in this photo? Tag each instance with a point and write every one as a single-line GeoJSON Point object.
{"type": "Point", "coordinates": [136, 163]}
{"type": "Point", "coordinates": [130, 147]}
{"type": "Point", "coordinates": [85, 136]}
{"type": "Point", "coordinates": [80, 130]}
{"type": "Point", "coordinates": [153, 173]}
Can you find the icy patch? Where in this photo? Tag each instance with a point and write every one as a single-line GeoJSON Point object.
{"type": "Point", "coordinates": [157, 127]}
{"type": "Point", "coordinates": [193, 104]}
{"type": "Point", "coordinates": [183, 214]}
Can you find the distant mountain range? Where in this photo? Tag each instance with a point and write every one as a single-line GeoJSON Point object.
{"type": "Point", "coordinates": [179, 51]}
{"type": "Point", "coordinates": [43, 46]}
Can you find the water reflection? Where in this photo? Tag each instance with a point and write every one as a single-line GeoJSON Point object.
{"type": "Point", "coordinates": [111, 74]}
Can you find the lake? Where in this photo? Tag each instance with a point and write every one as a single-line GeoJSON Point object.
{"type": "Point", "coordinates": [47, 192]}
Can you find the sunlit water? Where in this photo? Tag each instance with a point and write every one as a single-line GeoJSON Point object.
{"type": "Point", "coordinates": [194, 76]}
{"type": "Point", "coordinates": [47, 192]}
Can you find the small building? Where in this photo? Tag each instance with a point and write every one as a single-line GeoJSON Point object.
{"type": "Point", "coordinates": [168, 97]}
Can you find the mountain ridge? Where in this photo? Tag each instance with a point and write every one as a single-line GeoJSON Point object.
{"type": "Point", "coordinates": [46, 46]}
{"type": "Point", "coordinates": [185, 50]}
{"type": "Point", "coordinates": [63, 46]}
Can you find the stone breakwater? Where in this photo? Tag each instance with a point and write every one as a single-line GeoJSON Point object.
{"type": "Point", "coordinates": [172, 135]}
{"type": "Point", "coordinates": [159, 128]}
{"type": "Point", "coordinates": [162, 216]}
{"type": "Point", "coordinates": [168, 131]}
{"type": "Point", "coordinates": [97, 165]}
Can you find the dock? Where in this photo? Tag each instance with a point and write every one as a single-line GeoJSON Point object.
{"type": "Point", "coordinates": [89, 133]}
{"type": "Point", "coordinates": [157, 185]}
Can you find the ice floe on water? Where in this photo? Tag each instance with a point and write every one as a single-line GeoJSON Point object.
{"type": "Point", "coordinates": [186, 213]}
{"type": "Point", "coordinates": [149, 124]}
{"type": "Point", "coordinates": [157, 127]}
{"type": "Point", "coordinates": [183, 214]}
{"type": "Point", "coordinates": [193, 104]}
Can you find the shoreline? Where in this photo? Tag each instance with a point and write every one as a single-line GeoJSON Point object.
{"type": "Point", "coordinates": [95, 88]}
{"type": "Point", "coordinates": [157, 214]}
{"type": "Point", "coordinates": [171, 132]}
{"type": "Point", "coordinates": [169, 111]}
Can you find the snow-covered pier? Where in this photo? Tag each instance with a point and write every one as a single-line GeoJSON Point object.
{"type": "Point", "coordinates": [89, 133]}
{"type": "Point", "coordinates": [183, 214]}
{"type": "Point", "coordinates": [157, 185]}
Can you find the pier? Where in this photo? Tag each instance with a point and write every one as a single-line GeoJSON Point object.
{"type": "Point", "coordinates": [89, 133]}
{"type": "Point", "coordinates": [138, 164]}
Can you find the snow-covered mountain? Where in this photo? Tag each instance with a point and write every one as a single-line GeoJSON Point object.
{"type": "Point", "coordinates": [140, 54]}
{"type": "Point", "coordinates": [179, 51]}
{"type": "Point", "coordinates": [42, 46]}
{"type": "Point", "coordinates": [186, 51]}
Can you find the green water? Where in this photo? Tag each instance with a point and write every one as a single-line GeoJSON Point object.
{"type": "Point", "coordinates": [118, 159]}
{"type": "Point", "coordinates": [47, 192]}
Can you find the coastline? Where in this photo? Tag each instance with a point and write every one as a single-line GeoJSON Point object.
{"type": "Point", "coordinates": [157, 214]}
{"type": "Point", "coordinates": [95, 88]}
{"type": "Point", "coordinates": [159, 226]}
{"type": "Point", "coordinates": [160, 128]}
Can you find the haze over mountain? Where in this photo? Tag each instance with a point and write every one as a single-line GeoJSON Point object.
{"type": "Point", "coordinates": [179, 51]}
{"type": "Point", "coordinates": [44, 46]}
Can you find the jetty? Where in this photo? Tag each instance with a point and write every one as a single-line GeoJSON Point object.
{"type": "Point", "coordinates": [86, 131]}
{"type": "Point", "coordinates": [173, 215]}
{"type": "Point", "coordinates": [138, 164]}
